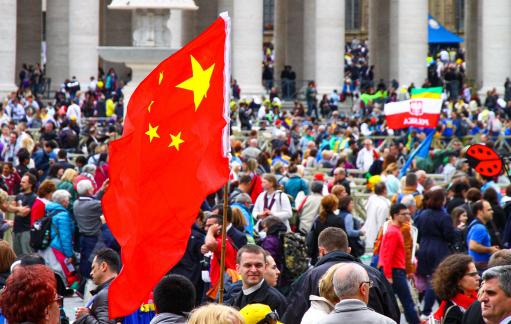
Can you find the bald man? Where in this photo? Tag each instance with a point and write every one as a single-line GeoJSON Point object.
{"type": "Point", "coordinates": [252, 151]}
{"type": "Point", "coordinates": [352, 285]}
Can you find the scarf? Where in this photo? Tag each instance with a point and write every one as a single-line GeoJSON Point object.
{"type": "Point", "coordinates": [460, 300]}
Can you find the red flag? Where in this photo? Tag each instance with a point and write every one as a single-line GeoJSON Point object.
{"type": "Point", "coordinates": [419, 112]}
{"type": "Point", "coordinates": [171, 156]}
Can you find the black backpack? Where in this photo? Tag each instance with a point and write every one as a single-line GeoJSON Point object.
{"type": "Point", "coordinates": [296, 260]}
{"type": "Point", "coordinates": [40, 233]}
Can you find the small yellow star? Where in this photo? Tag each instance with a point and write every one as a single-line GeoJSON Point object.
{"type": "Point", "coordinates": [199, 82]}
{"type": "Point", "coordinates": [150, 105]}
{"type": "Point", "coordinates": [161, 78]}
{"type": "Point", "coordinates": [176, 141]}
{"type": "Point", "coordinates": [152, 132]}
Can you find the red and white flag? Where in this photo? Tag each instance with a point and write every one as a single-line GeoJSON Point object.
{"type": "Point", "coordinates": [420, 112]}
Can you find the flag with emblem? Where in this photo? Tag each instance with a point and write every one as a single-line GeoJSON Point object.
{"type": "Point", "coordinates": [172, 154]}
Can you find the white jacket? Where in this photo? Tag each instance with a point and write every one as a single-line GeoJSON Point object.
{"type": "Point", "coordinates": [280, 208]}
{"type": "Point", "coordinates": [377, 211]}
{"type": "Point", "coordinates": [320, 307]}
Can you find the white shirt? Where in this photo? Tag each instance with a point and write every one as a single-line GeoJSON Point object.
{"type": "Point", "coordinates": [506, 320]}
{"type": "Point", "coordinates": [448, 172]}
{"type": "Point", "coordinates": [252, 289]}
{"type": "Point", "coordinates": [280, 208]}
{"type": "Point", "coordinates": [74, 110]}
{"type": "Point", "coordinates": [365, 159]}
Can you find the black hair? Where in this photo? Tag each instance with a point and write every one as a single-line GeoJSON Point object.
{"type": "Point", "coordinates": [396, 208]}
{"type": "Point", "coordinates": [221, 212]}
{"type": "Point", "coordinates": [31, 179]}
{"type": "Point", "coordinates": [476, 207]}
{"type": "Point", "coordinates": [110, 257]}
{"type": "Point", "coordinates": [174, 294]}
{"type": "Point", "coordinates": [23, 155]}
{"type": "Point", "coordinates": [81, 160]}
{"type": "Point", "coordinates": [31, 259]}
{"type": "Point", "coordinates": [62, 154]}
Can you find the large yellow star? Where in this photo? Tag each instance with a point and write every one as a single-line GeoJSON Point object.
{"type": "Point", "coordinates": [176, 141]}
{"type": "Point", "coordinates": [199, 82]}
{"type": "Point", "coordinates": [152, 132]}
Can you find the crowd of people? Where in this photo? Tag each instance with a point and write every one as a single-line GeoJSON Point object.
{"type": "Point", "coordinates": [299, 249]}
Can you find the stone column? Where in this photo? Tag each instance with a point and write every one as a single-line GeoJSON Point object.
{"type": "Point", "coordinates": [279, 36]}
{"type": "Point", "coordinates": [309, 39]}
{"type": "Point", "coordinates": [329, 57]}
{"type": "Point", "coordinates": [57, 41]}
{"type": "Point", "coordinates": [176, 28]}
{"type": "Point", "coordinates": [8, 48]}
{"type": "Point", "coordinates": [408, 41]}
{"type": "Point", "coordinates": [295, 40]}
{"type": "Point", "coordinates": [208, 12]}
{"type": "Point", "coordinates": [83, 39]}
{"type": "Point", "coordinates": [247, 45]}
{"type": "Point", "coordinates": [188, 26]}
{"type": "Point", "coordinates": [29, 33]}
{"type": "Point", "coordinates": [379, 38]}
{"type": "Point", "coordinates": [471, 40]}
{"type": "Point", "coordinates": [495, 48]}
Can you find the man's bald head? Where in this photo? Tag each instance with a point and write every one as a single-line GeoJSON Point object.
{"type": "Point", "coordinates": [253, 142]}
{"type": "Point", "coordinates": [350, 282]}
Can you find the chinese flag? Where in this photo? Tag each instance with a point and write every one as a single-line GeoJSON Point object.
{"type": "Point", "coordinates": [172, 154]}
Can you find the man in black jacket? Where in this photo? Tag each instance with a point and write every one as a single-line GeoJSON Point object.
{"type": "Point", "coordinates": [190, 264]}
{"type": "Point", "coordinates": [105, 267]}
{"type": "Point", "coordinates": [333, 249]}
{"type": "Point", "coordinates": [251, 265]}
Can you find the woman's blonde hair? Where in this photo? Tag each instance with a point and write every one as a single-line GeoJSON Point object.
{"type": "Point", "coordinates": [392, 167]}
{"type": "Point", "coordinates": [326, 284]}
{"type": "Point", "coordinates": [69, 175]}
{"type": "Point", "coordinates": [28, 143]}
{"type": "Point", "coordinates": [238, 220]}
{"type": "Point", "coordinates": [215, 313]}
{"type": "Point", "coordinates": [4, 196]}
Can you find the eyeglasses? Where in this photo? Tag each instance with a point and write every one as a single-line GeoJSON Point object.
{"type": "Point", "coordinates": [60, 301]}
{"type": "Point", "coordinates": [370, 283]}
{"type": "Point", "coordinates": [472, 274]}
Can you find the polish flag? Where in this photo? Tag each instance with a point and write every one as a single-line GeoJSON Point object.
{"type": "Point", "coordinates": [420, 112]}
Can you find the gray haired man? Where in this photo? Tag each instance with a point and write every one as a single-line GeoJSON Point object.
{"type": "Point", "coordinates": [495, 295]}
{"type": "Point", "coordinates": [351, 285]}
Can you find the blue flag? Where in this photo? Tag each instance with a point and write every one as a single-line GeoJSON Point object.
{"type": "Point", "coordinates": [422, 151]}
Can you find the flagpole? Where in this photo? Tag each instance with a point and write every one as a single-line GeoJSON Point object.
{"type": "Point", "coordinates": [224, 234]}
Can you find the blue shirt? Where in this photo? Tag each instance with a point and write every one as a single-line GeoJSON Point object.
{"type": "Point", "coordinates": [479, 234]}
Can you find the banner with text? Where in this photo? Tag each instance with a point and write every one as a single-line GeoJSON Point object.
{"type": "Point", "coordinates": [420, 112]}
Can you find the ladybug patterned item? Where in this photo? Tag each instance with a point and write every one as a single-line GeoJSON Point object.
{"type": "Point", "coordinates": [484, 160]}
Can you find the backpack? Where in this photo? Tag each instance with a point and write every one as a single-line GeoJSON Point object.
{"type": "Point", "coordinates": [357, 245]}
{"type": "Point", "coordinates": [40, 233]}
{"type": "Point", "coordinates": [294, 221]}
{"type": "Point", "coordinates": [294, 254]}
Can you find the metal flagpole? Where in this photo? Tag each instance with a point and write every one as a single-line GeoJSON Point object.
{"type": "Point", "coordinates": [224, 234]}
